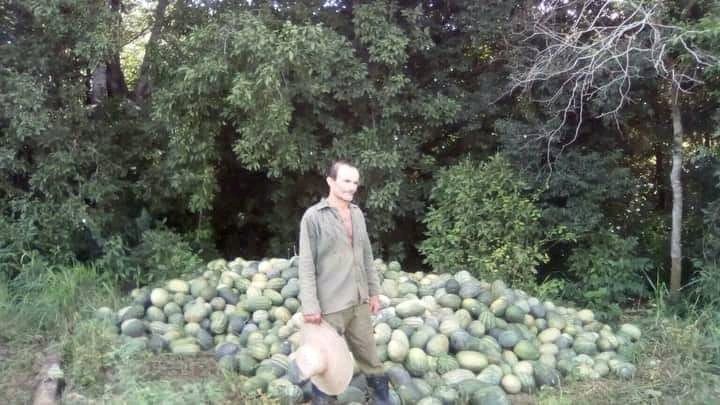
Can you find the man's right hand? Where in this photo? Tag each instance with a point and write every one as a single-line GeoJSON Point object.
{"type": "Point", "coordinates": [312, 318]}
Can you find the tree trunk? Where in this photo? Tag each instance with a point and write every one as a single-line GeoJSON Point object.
{"type": "Point", "coordinates": [108, 79]}
{"type": "Point", "coordinates": [115, 77]}
{"type": "Point", "coordinates": [143, 88]}
{"type": "Point", "coordinates": [660, 176]}
{"type": "Point", "coordinates": [98, 84]}
{"type": "Point", "coordinates": [677, 207]}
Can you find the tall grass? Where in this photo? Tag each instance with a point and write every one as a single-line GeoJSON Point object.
{"type": "Point", "coordinates": [46, 298]}
{"type": "Point", "coordinates": [139, 377]}
{"type": "Point", "coordinates": [677, 359]}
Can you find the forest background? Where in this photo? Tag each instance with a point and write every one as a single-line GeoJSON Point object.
{"type": "Point", "coordinates": [142, 138]}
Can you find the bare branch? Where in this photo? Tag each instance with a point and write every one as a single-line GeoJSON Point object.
{"type": "Point", "coordinates": [584, 49]}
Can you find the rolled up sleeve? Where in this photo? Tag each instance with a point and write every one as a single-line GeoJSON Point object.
{"type": "Point", "coordinates": [369, 264]}
{"type": "Point", "coordinates": [307, 270]}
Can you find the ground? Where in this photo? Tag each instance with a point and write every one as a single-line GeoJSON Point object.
{"type": "Point", "coordinates": [672, 362]}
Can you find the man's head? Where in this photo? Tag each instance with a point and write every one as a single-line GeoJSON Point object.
{"type": "Point", "coordinates": [343, 180]}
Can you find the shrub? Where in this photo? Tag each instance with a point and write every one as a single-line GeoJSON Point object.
{"type": "Point", "coordinates": [481, 218]}
{"type": "Point", "coordinates": [608, 272]}
{"type": "Point", "coordinates": [86, 353]}
{"type": "Point", "coordinates": [163, 254]}
{"type": "Point", "coordinates": [46, 297]}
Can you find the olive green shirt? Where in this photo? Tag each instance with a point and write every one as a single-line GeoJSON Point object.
{"type": "Point", "coordinates": [335, 273]}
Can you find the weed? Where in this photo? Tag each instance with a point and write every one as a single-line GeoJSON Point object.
{"type": "Point", "coordinates": [54, 298]}
{"type": "Point", "coordinates": [17, 363]}
{"type": "Point", "coordinates": [673, 363]}
{"type": "Point", "coordinates": [143, 378]}
{"type": "Point", "coordinates": [86, 353]}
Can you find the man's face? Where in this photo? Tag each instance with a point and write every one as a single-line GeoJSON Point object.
{"type": "Point", "coordinates": [345, 184]}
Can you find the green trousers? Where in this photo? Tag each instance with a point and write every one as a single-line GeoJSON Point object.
{"type": "Point", "coordinates": [354, 323]}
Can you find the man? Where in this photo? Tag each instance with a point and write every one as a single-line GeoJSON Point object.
{"type": "Point", "coordinates": [338, 282]}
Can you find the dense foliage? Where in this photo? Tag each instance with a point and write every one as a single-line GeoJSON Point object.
{"type": "Point", "coordinates": [482, 220]}
{"type": "Point", "coordinates": [140, 137]}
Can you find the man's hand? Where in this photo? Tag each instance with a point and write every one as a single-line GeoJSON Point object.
{"type": "Point", "coordinates": [312, 318]}
{"type": "Point", "coordinates": [374, 304]}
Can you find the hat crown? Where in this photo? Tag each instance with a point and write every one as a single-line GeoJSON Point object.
{"type": "Point", "coordinates": [311, 361]}
{"type": "Point", "coordinates": [323, 357]}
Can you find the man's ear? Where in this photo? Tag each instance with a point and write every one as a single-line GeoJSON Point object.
{"type": "Point", "coordinates": [329, 181]}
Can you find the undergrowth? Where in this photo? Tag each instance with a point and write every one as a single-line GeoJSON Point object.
{"type": "Point", "coordinates": [676, 364]}
{"type": "Point", "coordinates": [52, 298]}
{"type": "Point", "coordinates": [678, 357]}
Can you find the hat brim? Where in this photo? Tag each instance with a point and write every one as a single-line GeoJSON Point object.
{"type": "Point", "coordinates": [339, 371]}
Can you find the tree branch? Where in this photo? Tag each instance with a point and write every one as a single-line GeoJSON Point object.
{"type": "Point", "coordinates": [586, 49]}
{"type": "Point", "coordinates": [143, 86]}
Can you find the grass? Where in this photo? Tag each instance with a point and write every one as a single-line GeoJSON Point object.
{"type": "Point", "coordinates": [142, 378]}
{"type": "Point", "coordinates": [55, 298]}
{"type": "Point", "coordinates": [673, 361]}
{"type": "Point", "coordinates": [39, 311]}
{"type": "Point", "coordinates": [137, 376]}
{"type": "Point", "coordinates": [678, 358]}
{"type": "Point", "coordinates": [17, 370]}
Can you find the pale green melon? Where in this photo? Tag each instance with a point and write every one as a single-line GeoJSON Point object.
{"type": "Point", "coordinates": [511, 384]}
{"type": "Point", "coordinates": [450, 301]}
{"type": "Point", "coordinates": [463, 317]}
{"type": "Point", "coordinates": [217, 303]}
{"type": "Point", "coordinates": [470, 360]}
{"type": "Point", "coordinates": [416, 362]}
{"type": "Point", "coordinates": [630, 330]}
{"type": "Point", "coordinates": [449, 326]}
{"type": "Point", "coordinates": [455, 377]}
{"type": "Point", "coordinates": [159, 297]}
{"type": "Point", "coordinates": [177, 286]}
{"type": "Point", "coordinates": [499, 306]}
{"type": "Point", "coordinates": [438, 344]}
{"type": "Point", "coordinates": [196, 312]}
{"type": "Point", "coordinates": [412, 307]}
{"type": "Point", "coordinates": [492, 374]}
{"type": "Point", "coordinates": [275, 297]}
{"type": "Point", "coordinates": [473, 306]}
{"type": "Point", "coordinates": [133, 328]}
{"type": "Point", "coordinates": [218, 322]}
{"type": "Point", "coordinates": [154, 314]}
{"type": "Point", "coordinates": [446, 363]}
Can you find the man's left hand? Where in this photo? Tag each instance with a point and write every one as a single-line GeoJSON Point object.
{"type": "Point", "coordinates": [374, 304]}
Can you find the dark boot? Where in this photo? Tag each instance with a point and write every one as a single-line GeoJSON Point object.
{"type": "Point", "coordinates": [380, 390]}
{"type": "Point", "coordinates": [321, 398]}
{"type": "Point", "coordinates": [294, 374]}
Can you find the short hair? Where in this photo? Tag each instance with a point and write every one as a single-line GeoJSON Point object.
{"type": "Point", "coordinates": [332, 170]}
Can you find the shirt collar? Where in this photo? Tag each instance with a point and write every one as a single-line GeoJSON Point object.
{"type": "Point", "coordinates": [324, 204]}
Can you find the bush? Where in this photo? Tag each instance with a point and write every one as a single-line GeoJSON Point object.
{"type": "Point", "coordinates": [46, 297]}
{"type": "Point", "coordinates": [706, 284]}
{"type": "Point", "coordinates": [161, 254]}
{"type": "Point", "coordinates": [140, 377]}
{"type": "Point", "coordinates": [482, 219]}
{"type": "Point", "coordinates": [608, 271]}
{"type": "Point", "coordinates": [86, 353]}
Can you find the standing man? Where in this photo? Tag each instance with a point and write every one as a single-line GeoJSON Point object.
{"type": "Point", "coordinates": [338, 281]}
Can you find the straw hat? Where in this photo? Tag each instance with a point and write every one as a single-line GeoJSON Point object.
{"type": "Point", "coordinates": [324, 358]}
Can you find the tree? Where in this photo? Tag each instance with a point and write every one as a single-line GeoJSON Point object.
{"type": "Point", "coordinates": [588, 55]}
{"type": "Point", "coordinates": [387, 94]}
{"type": "Point", "coordinates": [78, 158]}
{"type": "Point", "coordinates": [483, 220]}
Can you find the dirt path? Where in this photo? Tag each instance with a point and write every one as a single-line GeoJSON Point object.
{"type": "Point", "coordinates": [49, 381]}
{"type": "Point", "coordinates": [24, 369]}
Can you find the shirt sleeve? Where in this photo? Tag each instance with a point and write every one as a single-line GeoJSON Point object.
{"type": "Point", "coordinates": [306, 267]}
{"type": "Point", "coordinates": [369, 261]}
